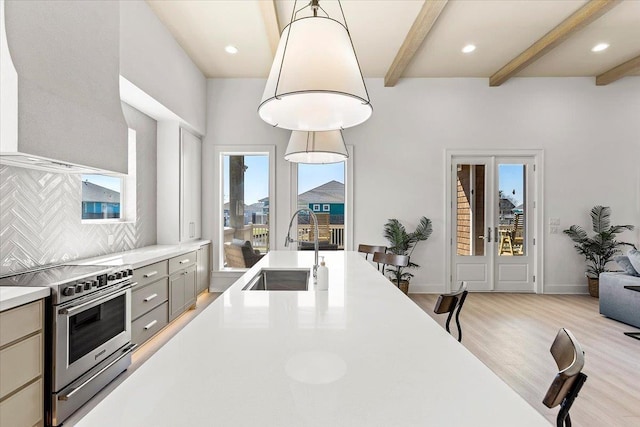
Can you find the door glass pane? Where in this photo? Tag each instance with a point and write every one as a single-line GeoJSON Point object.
{"type": "Point", "coordinates": [245, 208]}
{"type": "Point", "coordinates": [321, 189]}
{"type": "Point", "coordinates": [511, 209]}
{"type": "Point", "coordinates": [470, 210]}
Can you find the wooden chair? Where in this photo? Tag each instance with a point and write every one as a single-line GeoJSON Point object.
{"type": "Point", "coordinates": [448, 303]}
{"type": "Point", "coordinates": [517, 235]}
{"type": "Point", "coordinates": [569, 357]}
{"type": "Point", "coordinates": [370, 250]}
{"type": "Point", "coordinates": [324, 228]}
{"type": "Point", "coordinates": [390, 259]}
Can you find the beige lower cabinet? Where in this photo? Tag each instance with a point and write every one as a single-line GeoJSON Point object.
{"type": "Point", "coordinates": [182, 291]}
{"type": "Point", "coordinates": [21, 366]}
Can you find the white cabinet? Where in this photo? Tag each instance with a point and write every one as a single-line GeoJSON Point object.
{"type": "Point", "coordinates": [179, 184]}
{"type": "Point", "coordinates": [61, 60]}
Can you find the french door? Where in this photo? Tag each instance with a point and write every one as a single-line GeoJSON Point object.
{"type": "Point", "coordinates": [493, 223]}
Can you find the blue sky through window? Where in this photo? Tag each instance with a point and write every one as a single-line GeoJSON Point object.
{"type": "Point", "coordinates": [110, 182]}
{"type": "Point", "coordinates": [510, 178]}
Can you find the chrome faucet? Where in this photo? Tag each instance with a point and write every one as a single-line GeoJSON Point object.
{"type": "Point", "coordinates": [315, 240]}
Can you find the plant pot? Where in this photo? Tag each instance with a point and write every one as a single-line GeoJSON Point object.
{"type": "Point", "coordinates": [594, 286]}
{"type": "Point", "coordinates": [404, 285]}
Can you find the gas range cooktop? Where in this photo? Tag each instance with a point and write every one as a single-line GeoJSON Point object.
{"type": "Point", "coordinates": [69, 282]}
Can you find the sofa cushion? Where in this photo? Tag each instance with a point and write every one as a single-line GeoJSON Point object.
{"type": "Point", "coordinates": [634, 258]}
{"type": "Point", "coordinates": [624, 263]}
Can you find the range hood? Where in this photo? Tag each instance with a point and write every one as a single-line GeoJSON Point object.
{"type": "Point", "coordinates": [61, 109]}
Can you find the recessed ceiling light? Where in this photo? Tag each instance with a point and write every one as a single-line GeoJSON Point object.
{"type": "Point", "coordinates": [469, 48]}
{"type": "Point", "coordinates": [599, 47]}
{"type": "Point", "coordinates": [231, 49]}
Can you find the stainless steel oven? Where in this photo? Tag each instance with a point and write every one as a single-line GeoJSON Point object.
{"type": "Point", "coordinates": [88, 330]}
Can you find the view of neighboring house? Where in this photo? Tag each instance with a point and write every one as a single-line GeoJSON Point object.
{"type": "Point", "coordinates": [255, 213]}
{"type": "Point", "coordinates": [99, 202]}
{"type": "Point", "coordinates": [326, 198]}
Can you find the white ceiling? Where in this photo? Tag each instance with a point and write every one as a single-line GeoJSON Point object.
{"type": "Point", "coordinates": [500, 29]}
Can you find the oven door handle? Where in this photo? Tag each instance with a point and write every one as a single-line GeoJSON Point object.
{"type": "Point", "coordinates": [94, 302]}
{"type": "Point", "coordinates": [125, 352]}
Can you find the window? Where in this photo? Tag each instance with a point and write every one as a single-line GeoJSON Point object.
{"type": "Point", "coordinates": [111, 198]}
{"type": "Point", "coordinates": [321, 188]}
{"type": "Point", "coordinates": [101, 197]}
{"type": "Point", "coordinates": [244, 205]}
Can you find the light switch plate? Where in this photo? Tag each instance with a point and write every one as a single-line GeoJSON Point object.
{"type": "Point", "coordinates": [554, 221]}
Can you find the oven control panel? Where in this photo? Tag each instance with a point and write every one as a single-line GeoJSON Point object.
{"type": "Point", "coordinates": [88, 285]}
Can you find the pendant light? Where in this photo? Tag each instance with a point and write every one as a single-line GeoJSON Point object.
{"type": "Point", "coordinates": [315, 83]}
{"type": "Point", "coordinates": [316, 147]}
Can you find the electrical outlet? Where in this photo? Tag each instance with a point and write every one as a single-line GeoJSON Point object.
{"type": "Point", "coordinates": [110, 239]}
{"type": "Point", "coordinates": [554, 229]}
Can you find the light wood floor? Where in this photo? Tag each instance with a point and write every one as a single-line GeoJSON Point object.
{"type": "Point", "coordinates": [512, 333]}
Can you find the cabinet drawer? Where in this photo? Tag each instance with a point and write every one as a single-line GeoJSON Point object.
{"type": "Point", "coordinates": [150, 273]}
{"type": "Point", "coordinates": [20, 363]}
{"type": "Point", "coordinates": [148, 325]}
{"type": "Point", "coordinates": [20, 321]}
{"type": "Point", "coordinates": [148, 297]}
{"type": "Point", "coordinates": [182, 261]}
{"type": "Point", "coordinates": [24, 408]}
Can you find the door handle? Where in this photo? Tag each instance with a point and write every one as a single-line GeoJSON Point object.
{"type": "Point", "coordinates": [489, 234]}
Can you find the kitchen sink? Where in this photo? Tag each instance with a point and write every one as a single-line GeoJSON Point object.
{"type": "Point", "coordinates": [279, 280]}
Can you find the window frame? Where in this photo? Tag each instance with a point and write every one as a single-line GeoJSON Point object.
{"type": "Point", "coordinates": [128, 194]}
{"type": "Point", "coordinates": [218, 218]}
{"type": "Point", "coordinates": [348, 188]}
{"type": "Point", "coordinates": [326, 207]}
{"type": "Point", "coordinates": [316, 207]}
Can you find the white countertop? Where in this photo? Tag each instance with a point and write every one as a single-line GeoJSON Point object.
{"type": "Point", "coordinates": [144, 256]}
{"type": "Point", "coordinates": [13, 296]}
{"type": "Point", "coordinates": [359, 354]}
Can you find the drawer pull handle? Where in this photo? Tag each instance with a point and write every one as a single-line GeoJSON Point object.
{"type": "Point", "coordinates": [184, 261]}
{"type": "Point", "coordinates": [150, 274]}
{"type": "Point", "coordinates": [150, 297]}
{"type": "Point", "coordinates": [150, 325]}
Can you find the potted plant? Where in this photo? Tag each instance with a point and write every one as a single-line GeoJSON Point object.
{"type": "Point", "coordinates": [404, 243]}
{"type": "Point", "coordinates": [600, 249]}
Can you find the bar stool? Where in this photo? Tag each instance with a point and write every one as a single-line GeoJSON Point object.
{"type": "Point", "coordinates": [370, 250]}
{"type": "Point", "coordinates": [391, 259]}
{"type": "Point", "coordinates": [569, 357]}
{"type": "Point", "coordinates": [448, 303]}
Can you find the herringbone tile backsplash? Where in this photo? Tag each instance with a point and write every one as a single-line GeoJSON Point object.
{"type": "Point", "coordinates": [40, 222]}
{"type": "Point", "coordinates": [40, 211]}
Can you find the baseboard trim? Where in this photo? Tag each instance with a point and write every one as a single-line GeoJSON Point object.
{"type": "Point", "coordinates": [566, 289]}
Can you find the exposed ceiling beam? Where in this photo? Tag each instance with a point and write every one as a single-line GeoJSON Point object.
{"type": "Point", "coordinates": [421, 27]}
{"type": "Point", "coordinates": [271, 23]}
{"type": "Point", "coordinates": [578, 20]}
{"type": "Point", "coordinates": [618, 72]}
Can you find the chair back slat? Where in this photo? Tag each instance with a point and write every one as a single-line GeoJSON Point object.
{"type": "Point", "coordinates": [391, 259]}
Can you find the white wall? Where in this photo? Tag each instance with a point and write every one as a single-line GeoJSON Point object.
{"type": "Point", "coordinates": [590, 136]}
{"type": "Point", "coordinates": [152, 59]}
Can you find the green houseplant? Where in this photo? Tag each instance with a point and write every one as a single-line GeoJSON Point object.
{"type": "Point", "coordinates": [404, 243]}
{"type": "Point", "coordinates": [600, 249]}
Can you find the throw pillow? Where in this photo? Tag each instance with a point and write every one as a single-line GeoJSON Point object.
{"type": "Point", "coordinates": [624, 262]}
{"type": "Point", "coordinates": [634, 258]}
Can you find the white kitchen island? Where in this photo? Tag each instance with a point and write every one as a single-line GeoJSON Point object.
{"type": "Point", "coordinates": [359, 354]}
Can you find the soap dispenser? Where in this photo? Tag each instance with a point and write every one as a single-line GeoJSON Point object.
{"type": "Point", "coordinates": [323, 276]}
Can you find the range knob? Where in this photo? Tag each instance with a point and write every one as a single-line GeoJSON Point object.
{"type": "Point", "coordinates": [87, 285]}
{"type": "Point", "coordinates": [69, 291]}
{"type": "Point", "coordinates": [125, 273]}
{"type": "Point", "coordinates": [111, 277]}
{"type": "Point", "coordinates": [94, 283]}
{"type": "Point", "coordinates": [78, 289]}
{"type": "Point", "coordinates": [130, 272]}
{"type": "Point", "coordinates": [119, 275]}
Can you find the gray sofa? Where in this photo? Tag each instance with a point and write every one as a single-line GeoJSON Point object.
{"type": "Point", "coordinates": [617, 302]}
